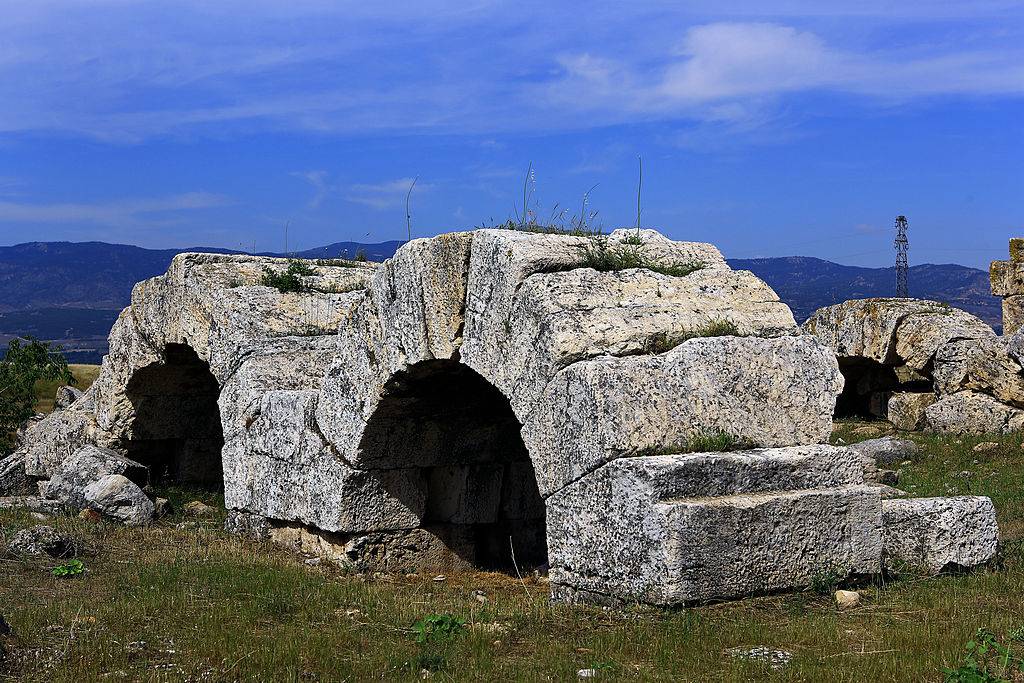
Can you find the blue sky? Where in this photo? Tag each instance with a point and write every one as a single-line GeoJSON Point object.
{"type": "Point", "coordinates": [772, 128]}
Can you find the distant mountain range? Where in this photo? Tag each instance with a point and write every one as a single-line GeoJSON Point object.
{"type": "Point", "coordinates": [71, 292]}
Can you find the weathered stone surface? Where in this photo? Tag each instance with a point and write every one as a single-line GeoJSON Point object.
{"type": "Point", "coordinates": [1006, 277]}
{"type": "Point", "coordinates": [598, 410]}
{"type": "Point", "coordinates": [906, 409]}
{"type": "Point", "coordinates": [1013, 313]}
{"type": "Point", "coordinates": [1017, 249]}
{"type": "Point", "coordinates": [87, 465]}
{"type": "Point", "coordinates": [35, 504]}
{"type": "Point", "coordinates": [847, 599]}
{"type": "Point", "coordinates": [939, 534]}
{"type": "Point", "coordinates": [41, 540]}
{"type": "Point", "coordinates": [282, 468]}
{"type": "Point", "coordinates": [120, 499]}
{"type": "Point", "coordinates": [12, 475]}
{"type": "Point", "coordinates": [886, 451]}
{"type": "Point", "coordinates": [893, 331]}
{"type": "Point", "coordinates": [65, 397]}
{"type": "Point", "coordinates": [968, 412]}
{"type": "Point", "coordinates": [983, 365]}
{"type": "Point", "coordinates": [648, 529]}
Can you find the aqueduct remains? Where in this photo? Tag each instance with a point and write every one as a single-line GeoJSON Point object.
{"type": "Point", "coordinates": [485, 394]}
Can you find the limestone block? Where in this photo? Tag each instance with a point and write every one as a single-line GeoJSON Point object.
{"type": "Point", "coordinates": [1006, 278]}
{"type": "Point", "coordinates": [597, 410]}
{"type": "Point", "coordinates": [906, 409]}
{"type": "Point", "coordinates": [630, 531]}
{"type": "Point", "coordinates": [1017, 249]}
{"type": "Point", "coordinates": [969, 412]}
{"type": "Point", "coordinates": [983, 365]}
{"type": "Point", "coordinates": [939, 534]}
{"type": "Point", "coordinates": [1013, 314]}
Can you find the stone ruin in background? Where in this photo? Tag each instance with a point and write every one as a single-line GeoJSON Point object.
{"type": "Point", "coordinates": [482, 398]}
{"type": "Point", "coordinates": [924, 365]}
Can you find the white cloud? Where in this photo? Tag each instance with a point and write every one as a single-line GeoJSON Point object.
{"type": "Point", "coordinates": [123, 213]}
{"type": "Point", "coordinates": [384, 195]}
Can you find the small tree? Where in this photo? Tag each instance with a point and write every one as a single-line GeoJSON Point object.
{"type": "Point", "coordinates": [25, 363]}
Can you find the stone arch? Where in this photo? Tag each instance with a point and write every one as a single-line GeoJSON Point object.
{"type": "Point", "coordinates": [175, 428]}
{"type": "Point", "coordinates": [460, 435]}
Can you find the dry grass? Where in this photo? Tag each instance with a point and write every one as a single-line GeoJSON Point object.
{"type": "Point", "coordinates": [193, 603]}
{"type": "Point", "coordinates": [85, 375]}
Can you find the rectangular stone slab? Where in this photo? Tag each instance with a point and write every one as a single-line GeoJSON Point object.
{"type": "Point", "coordinates": [938, 534]}
{"type": "Point", "coordinates": [617, 535]}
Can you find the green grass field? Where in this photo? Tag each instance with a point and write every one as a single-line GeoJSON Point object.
{"type": "Point", "coordinates": [193, 603]}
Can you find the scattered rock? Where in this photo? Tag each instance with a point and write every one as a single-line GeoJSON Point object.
{"type": "Point", "coordinates": [985, 447]}
{"type": "Point", "coordinates": [198, 508]}
{"type": "Point", "coordinates": [586, 673]}
{"type": "Point", "coordinates": [119, 498]}
{"type": "Point", "coordinates": [162, 507]}
{"type": "Point", "coordinates": [90, 515]}
{"type": "Point", "coordinates": [887, 450]}
{"type": "Point", "coordinates": [480, 596]}
{"type": "Point", "coordinates": [65, 397]}
{"type": "Point", "coordinates": [774, 658]}
{"type": "Point", "coordinates": [440, 577]}
{"type": "Point", "coordinates": [41, 540]}
{"type": "Point", "coordinates": [866, 430]}
{"type": "Point", "coordinates": [847, 599]}
{"type": "Point", "coordinates": [87, 465]}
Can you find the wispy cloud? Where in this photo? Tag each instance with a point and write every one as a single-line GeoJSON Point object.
{"type": "Point", "coordinates": [128, 72]}
{"type": "Point", "coordinates": [383, 195]}
{"type": "Point", "coordinates": [124, 213]}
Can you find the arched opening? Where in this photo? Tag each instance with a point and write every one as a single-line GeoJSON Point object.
{"type": "Point", "coordinates": [176, 431]}
{"type": "Point", "coordinates": [481, 497]}
{"type": "Point", "coordinates": [869, 384]}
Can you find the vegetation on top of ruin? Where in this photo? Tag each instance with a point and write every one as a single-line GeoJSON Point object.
{"type": "Point", "coordinates": [666, 341]}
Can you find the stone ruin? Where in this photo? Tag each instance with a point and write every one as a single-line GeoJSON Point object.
{"type": "Point", "coordinates": [924, 365]}
{"type": "Point", "coordinates": [484, 400]}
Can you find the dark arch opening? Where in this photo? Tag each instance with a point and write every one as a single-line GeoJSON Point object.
{"type": "Point", "coordinates": [869, 384]}
{"type": "Point", "coordinates": [176, 431]}
{"type": "Point", "coordinates": [459, 432]}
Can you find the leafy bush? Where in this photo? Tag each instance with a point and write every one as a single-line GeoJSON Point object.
{"type": "Point", "coordinates": [25, 363]}
{"type": "Point", "coordinates": [290, 280]}
{"type": "Point", "coordinates": [827, 580]}
{"type": "Point", "coordinates": [986, 661]}
{"type": "Point", "coordinates": [437, 628]}
{"type": "Point", "coordinates": [70, 568]}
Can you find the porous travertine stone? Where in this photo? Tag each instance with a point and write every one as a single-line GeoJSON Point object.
{"type": "Point", "coordinates": [376, 420]}
{"type": "Point", "coordinates": [939, 534]}
{"type": "Point", "coordinates": [968, 412]}
{"type": "Point", "coordinates": [625, 406]}
{"type": "Point", "coordinates": [1006, 278]}
{"type": "Point", "coordinates": [65, 396]}
{"type": "Point", "coordinates": [120, 499]}
{"type": "Point", "coordinates": [886, 451]}
{"type": "Point", "coordinates": [41, 540]}
{"type": "Point", "coordinates": [1013, 313]}
{"type": "Point", "coordinates": [90, 464]}
{"type": "Point", "coordinates": [653, 529]}
{"type": "Point", "coordinates": [906, 409]}
{"type": "Point", "coordinates": [893, 331]}
{"type": "Point", "coordinates": [983, 365]}
{"type": "Point", "coordinates": [12, 475]}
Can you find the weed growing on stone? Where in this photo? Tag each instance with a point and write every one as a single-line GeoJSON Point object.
{"type": "Point", "coordinates": [288, 281]}
{"type": "Point", "coordinates": [827, 580]}
{"type": "Point", "coordinates": [603, 257]}
{"type": "Point", "coordinates": [662, 342]}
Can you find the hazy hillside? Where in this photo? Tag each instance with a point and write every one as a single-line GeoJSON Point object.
{"type": "Point", "coordinates": [72, 292]}
{"type": "Point", "coordinates": [807, 284]}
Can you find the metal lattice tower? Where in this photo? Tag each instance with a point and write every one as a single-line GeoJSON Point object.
{"type": "Point", "coordinates": [901, 245]}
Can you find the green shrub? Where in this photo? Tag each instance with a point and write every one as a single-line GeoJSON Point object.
{"type": "Point", "coordinates": [826, 580]}
{"type": "Point", "coordinates": [661, 342]}
{"type": "Point", "coordinates": [603, 257]}
{"type": "Point", "coordinates": [986, 660]}
{"type": "Point", "coordinates": [290, 280]}
{"type": "Point", "coordinates": [70, 568]}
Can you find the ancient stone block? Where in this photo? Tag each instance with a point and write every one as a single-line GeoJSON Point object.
{"type": "Point", "coordinates": [939, 534]}
{"type": "Point", "coordinates": [906, 409]}
{"type": "Point", "coordinates": [969, 412]}
{"type": "Point", "coordinates": [1013, 314]}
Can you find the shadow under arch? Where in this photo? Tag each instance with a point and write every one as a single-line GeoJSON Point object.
{"type": "Point", "coordinates": [459, 433]}
{"type": "Point", "coordinates": [176, 430]}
